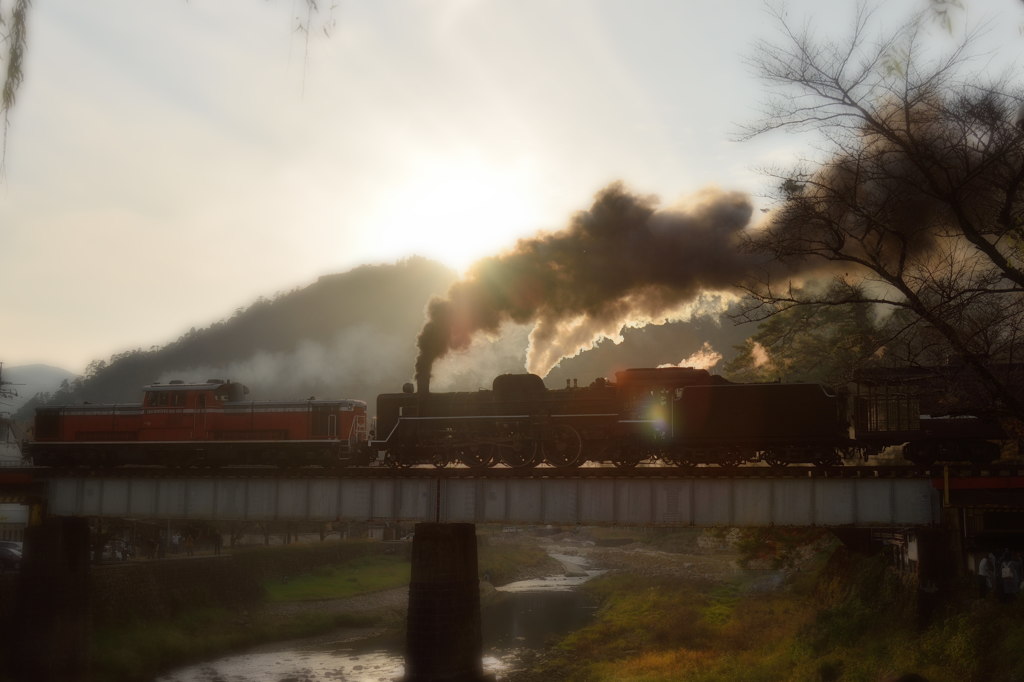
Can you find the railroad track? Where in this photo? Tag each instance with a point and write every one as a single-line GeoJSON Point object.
{"type": "Point", "coordinates": [994, 470]}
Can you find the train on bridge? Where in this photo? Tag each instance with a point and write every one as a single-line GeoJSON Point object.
{"type": "Point", "coordinates": [672, 416]}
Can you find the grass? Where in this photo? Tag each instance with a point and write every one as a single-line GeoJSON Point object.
{"type": "Point", "coordinates": [502, 560]}
{"type": "Point", "coordinates": [140, 651]}
{"type": "Point", "coordinates": [360, 576]}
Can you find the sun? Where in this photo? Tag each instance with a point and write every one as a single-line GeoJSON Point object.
{"type": "Point", "coordinates": [457, 210]}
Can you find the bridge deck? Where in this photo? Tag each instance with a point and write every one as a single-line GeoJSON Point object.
{"type": "Point", "coordinates": [511, 498]}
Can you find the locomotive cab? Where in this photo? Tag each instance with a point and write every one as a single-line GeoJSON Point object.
{"type": "Point", "coordinates": [391, 408]}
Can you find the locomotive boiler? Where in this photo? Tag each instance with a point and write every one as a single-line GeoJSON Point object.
{"type": "Point", "coordinates": [209, 424]}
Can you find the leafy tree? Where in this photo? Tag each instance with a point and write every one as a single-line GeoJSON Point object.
{"type": "Point", "coordinates": [917, 207]}
{"type": "Point", "coordinates": [813, 343]}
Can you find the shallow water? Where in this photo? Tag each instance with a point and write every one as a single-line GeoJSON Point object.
{"type": "Point", "coordinates": [304, 665]}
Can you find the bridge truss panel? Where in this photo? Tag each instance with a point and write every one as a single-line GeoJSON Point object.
{"type": "Point", "coordinates": [695, 501]}
{"type": "Point", "coordinates": [792, 502]}
{"type": "Point", "coordinates": [592, 502]}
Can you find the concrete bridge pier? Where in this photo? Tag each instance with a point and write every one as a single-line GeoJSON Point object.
{"type": "Point", "coordinates": [50, 641]}
{"type": "Point", "coordinates": [443, 639]}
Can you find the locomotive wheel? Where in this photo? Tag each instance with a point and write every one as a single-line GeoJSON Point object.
{"type": "Point", "coordinates": [679, 459]}
{"type": "Point", "coordinates": [398, 459]}
{"type": "Point", "coordinates": [563, 447]}
{"type": "Point", "coordinates": [477, 456]}
{"type": "Point", "coordinates": [520, 455]}
{"type": "Point", "coordinates": [439, 458]}
{"type": "Point", "coordinates": [826, 457]}
{"type": "Point", "coordinates": [730, 460]}
{"type": "Point", "coordinates": [625, 456]}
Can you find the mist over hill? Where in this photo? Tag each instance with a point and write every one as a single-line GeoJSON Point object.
{"type": "Point", "coordinates": [353, 335]}
{"type": "Point", "coordinates": [347, 335]}
{"type": "Point", "coordinates": [25, 381]}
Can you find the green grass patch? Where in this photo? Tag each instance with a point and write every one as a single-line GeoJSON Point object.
{"type": "Point", "coordinates": [722, 602]}
{"type": "Point", "coordinates": [359, 576]}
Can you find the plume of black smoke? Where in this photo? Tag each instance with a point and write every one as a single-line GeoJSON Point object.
{"type": "Point", "coordinates": [899, 196]}
{"type": "Point", "coordinates": [618, 263]}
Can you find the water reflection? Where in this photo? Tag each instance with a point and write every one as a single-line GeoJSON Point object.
{"type": "Point", "coordinates": [305, 665]}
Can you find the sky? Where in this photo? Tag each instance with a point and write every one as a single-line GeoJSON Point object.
{"type": "Point", "coordinates": [171, 161]}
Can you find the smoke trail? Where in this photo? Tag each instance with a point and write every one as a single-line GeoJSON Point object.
{"type": "Point", "coordinates": [705, 357]}
{"type": "Point", "coordinates": [891, 200]}
{"type": "Point", "coordinates": [620, 262]}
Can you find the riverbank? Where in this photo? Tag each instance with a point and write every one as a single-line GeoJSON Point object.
{"type": "Point", "coordinates": [137, 648]}
{"type": "Point", "coordinates": [825, 613]}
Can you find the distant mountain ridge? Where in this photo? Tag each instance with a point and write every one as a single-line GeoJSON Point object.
{"type": "Point", "coordinates": [28, 380]}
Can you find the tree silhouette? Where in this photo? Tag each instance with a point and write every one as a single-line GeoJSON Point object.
{"type": "Point", "coordinates": [918, 207]}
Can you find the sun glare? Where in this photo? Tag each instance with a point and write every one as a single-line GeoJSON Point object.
{"type": "Point", "coordinates": [456, 211]}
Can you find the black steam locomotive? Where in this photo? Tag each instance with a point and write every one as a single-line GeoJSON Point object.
{"type": "Point", "coordinates": [680, 416]}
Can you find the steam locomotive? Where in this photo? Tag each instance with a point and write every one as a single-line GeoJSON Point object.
{"type": "Point", "coordinates": [677, 416]}
{"type": "Point", "coordinates": [680, 416]}
{"type": "Point", "coordinates": [208, 424]}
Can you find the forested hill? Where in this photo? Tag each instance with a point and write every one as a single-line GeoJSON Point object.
{"type": "Point", "coordinates": [348, 335]}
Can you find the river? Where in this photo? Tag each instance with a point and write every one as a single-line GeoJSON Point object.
{"type": "Point", "coordinates": [526, 617]}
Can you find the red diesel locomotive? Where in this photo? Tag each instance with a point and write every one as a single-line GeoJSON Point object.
{"type": "Point", "coordinates": [210, 424]}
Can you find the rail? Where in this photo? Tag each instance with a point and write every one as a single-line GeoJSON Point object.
{"type": "Point", "coordinates": [996, 470]}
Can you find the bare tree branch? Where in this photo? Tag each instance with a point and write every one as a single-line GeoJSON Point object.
{"type": "Point", "coordinates": [917, 208]}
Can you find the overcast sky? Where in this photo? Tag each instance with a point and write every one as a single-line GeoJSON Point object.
{"type": "Point", "coordinates": [171, 161]}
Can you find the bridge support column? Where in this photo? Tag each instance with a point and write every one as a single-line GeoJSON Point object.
{"type": "Point", "coordinates": [443, 640]}
{"type": "Point", "coordinates": [51, 639]}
